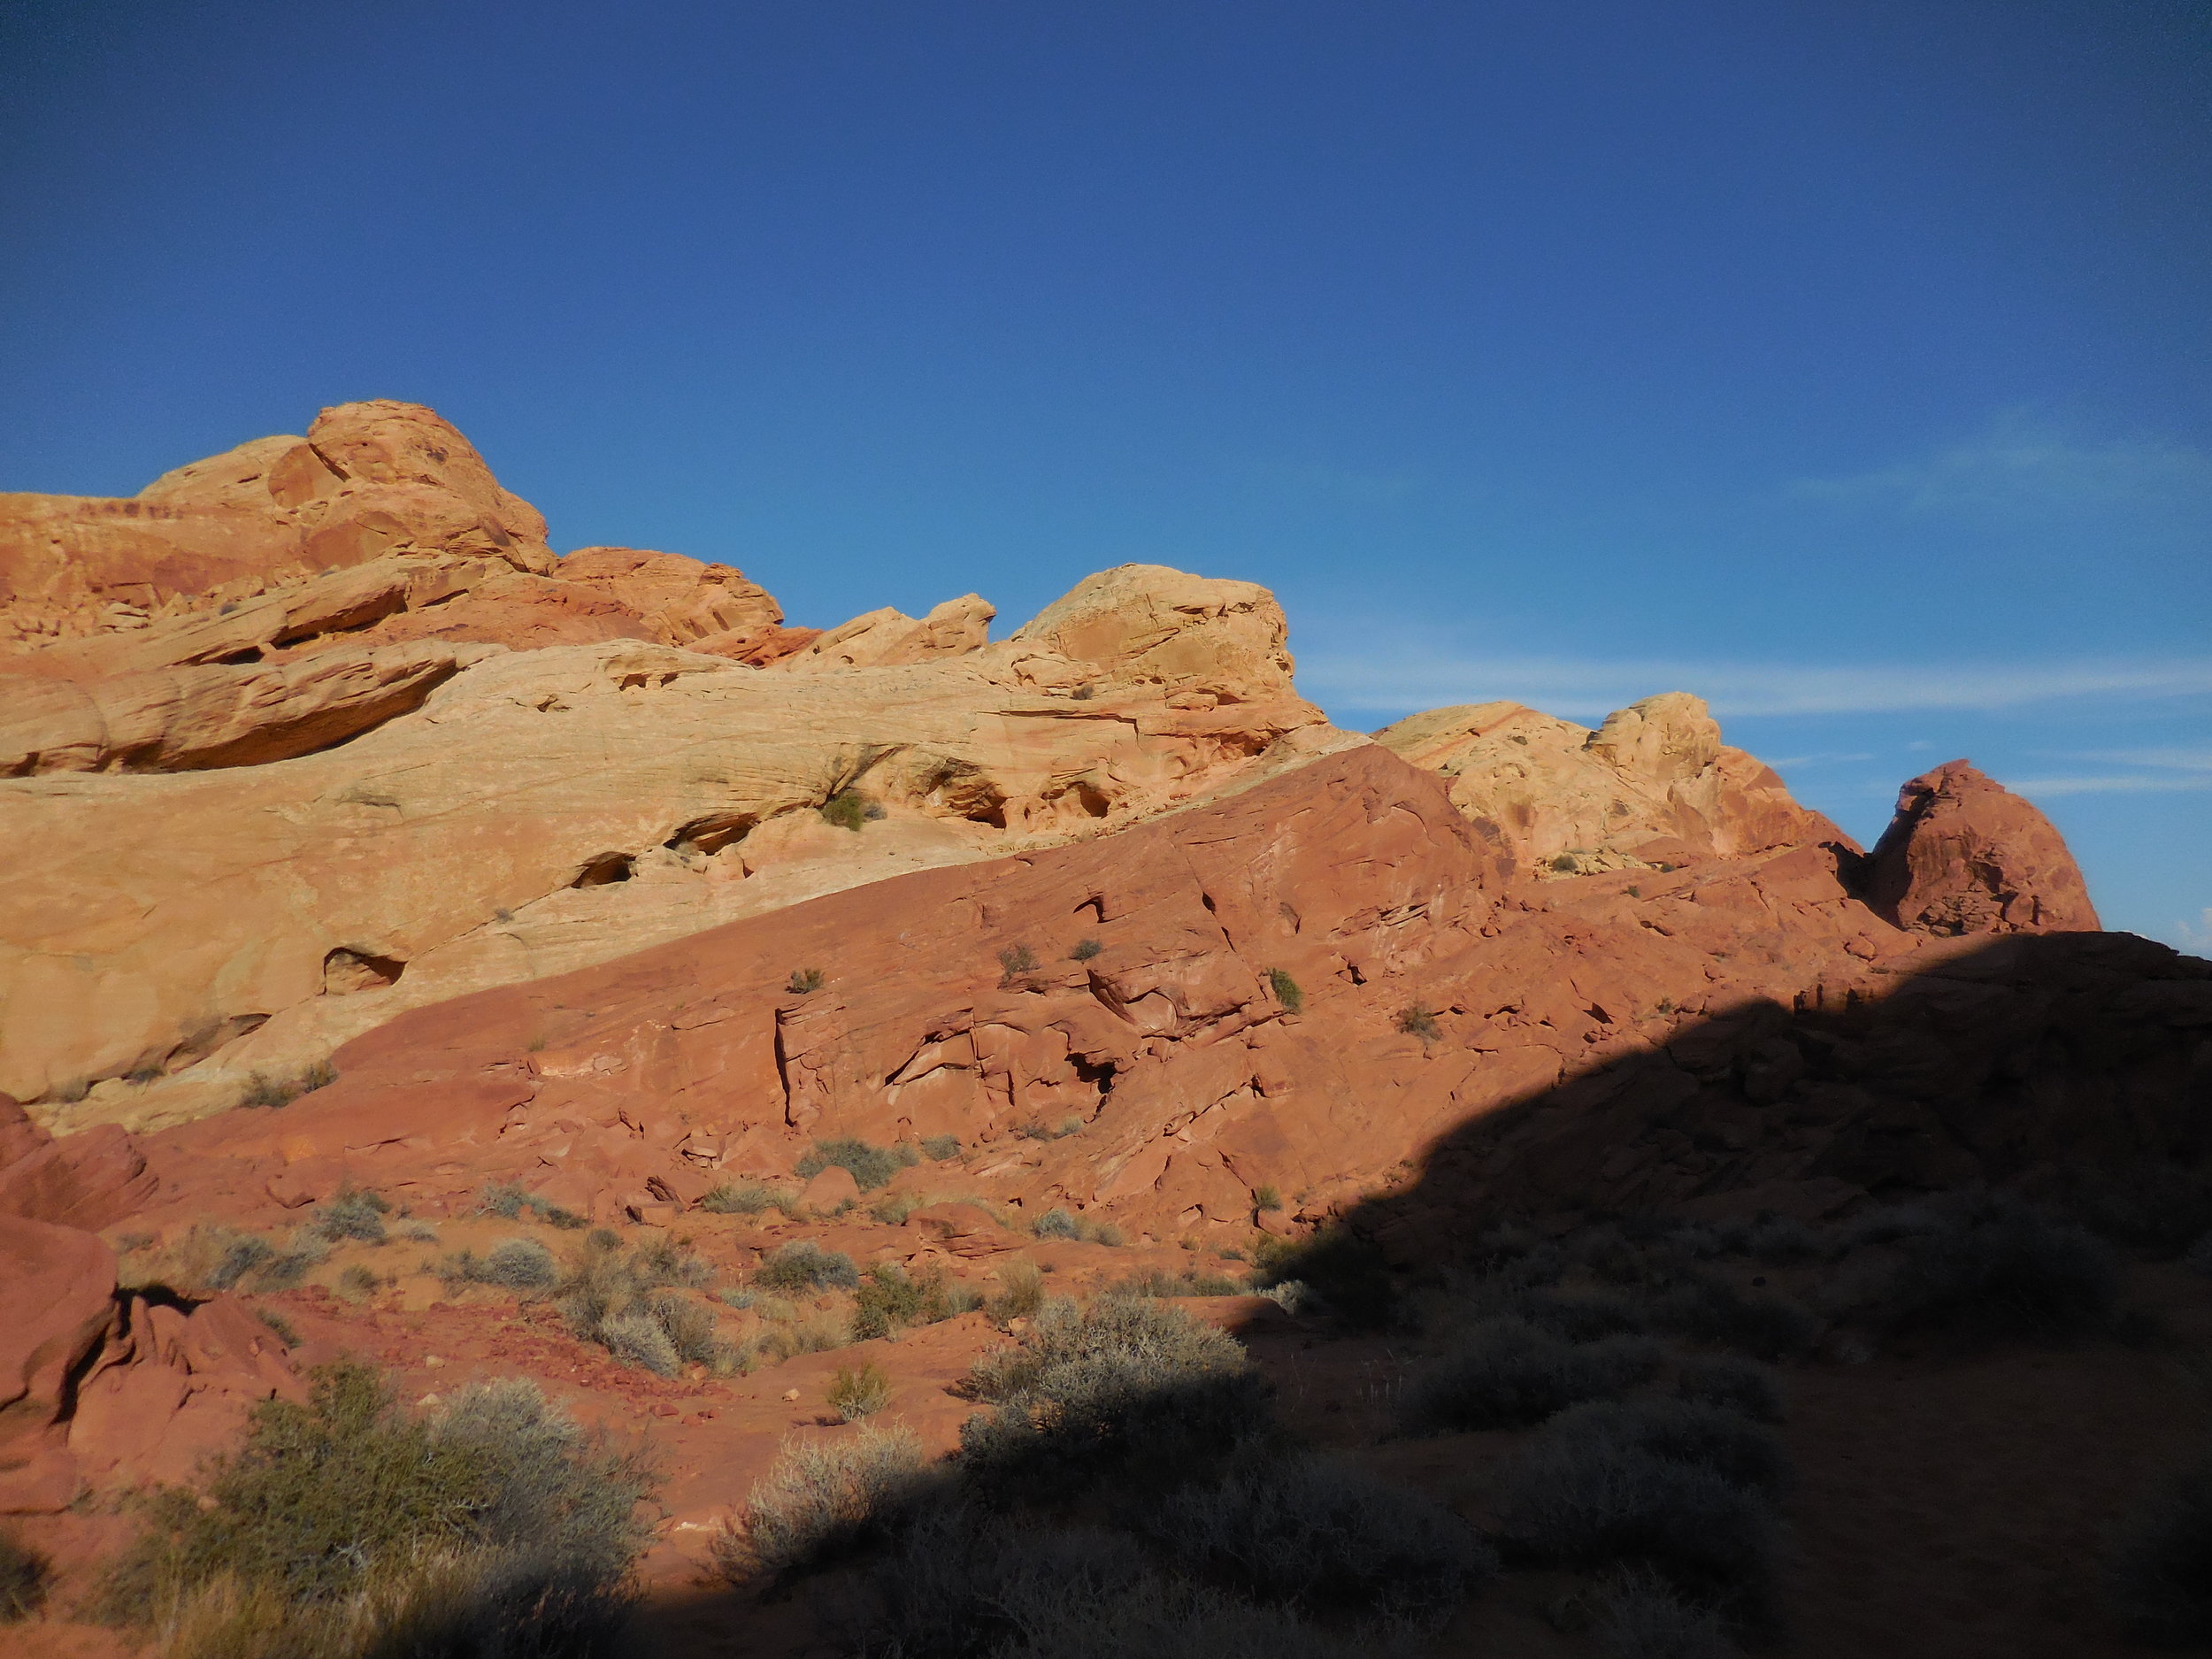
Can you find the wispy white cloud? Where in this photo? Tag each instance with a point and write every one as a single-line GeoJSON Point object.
{"type": "Point", "coordinates": [2027, 463]}
{"type": "Point", "coordinates": [1575, 686]}
{"type": "Point", "coordinates": [2196, 937]}
{"type": "Point", "coordinates": [1825, 759]}
{"type": "Point", "coordinates": [2109, 783]}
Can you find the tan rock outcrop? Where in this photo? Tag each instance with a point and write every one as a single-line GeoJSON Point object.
{"type": "Point", "coordinates": [1199, 640]}
{"type": "Point", "coordinates": [368, 479]}
{"type": "Point", "coordinates": [544, 810]}
{"type": "Point", "coordinates": [889, 638]}
{"type": "Point", "coordinates": [1964, 855]}
{"type": "Point", "coordinates": [194, 718]}
{"type": "Point", "coordinates": [1653, 786]}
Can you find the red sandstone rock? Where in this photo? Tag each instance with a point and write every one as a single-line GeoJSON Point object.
{"type": "Point", "coordinates": [1965, 855]}
{"type": "Point", "coordinates": [56, 1305]}
{"type": "Point", "coordinates": [88, 1180]}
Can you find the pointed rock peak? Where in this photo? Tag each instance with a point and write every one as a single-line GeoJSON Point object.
{"type": "Point", "coordinates": [1964, 855]}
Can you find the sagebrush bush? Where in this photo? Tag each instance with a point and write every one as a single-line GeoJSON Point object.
{"type": "Point", "coordinates": [1157, 1282]}
{"type": "Point", "coordinates": [1641, 1617]}
{"type": "Point", "coordinates": [1057, 1223]}
{"type": "Point", "coordinates": [1324, 1536]}
{"type": "Point", "coordinates": [855, 1393]}
{"type": "Point", "coordinates": [803, 1265]}
{"type": "Point", "coordinates": [869, 1166]}
{"type": "Point", "coordinates": [1505, 1373]}
{"type": "Point", "coordinates": [958, 1582]}
{"type": "Point", "coordinates": [940, 1148]}
{"type": "Point", "coordinates": [325, 1502]}
{"type": "Point", "coordinates": [507, 1199]}
{"type": "Point", "coordinates": [1343, 1273]}
{"type": "Point", "coordinates": [1595, 1502]}
{"type": "Point", "coordinates": [746, 1198]}
{"type": "Point", "coordinates": [1085, 950]}
{"type": "Point", "coordinates": [1998, 1269]}
{"type": "Point", "coordinates": [1021, 1291]}
{"type": "Point", "coordinates": [23, 1577]}
{"type": "Point", "coordinates": [2158, 1568]}
{"type": "Point", "coordinates": [513, 1264]}
{"type": "Point", "coordinates": [825, 1498]}
{"type": "Point", "coordinates": [1707, 1308]}
{"type": "Point", "coordinates": [1579, 1315]}
{"type": "Point", "coordinates": [618, 1300]}
{"type": "Point", "coordinates": [1733, 1384]}
{"type": "Point", "coordinates": [890, 1299]}
{"type": "Point", "coordinates": [1123, 1384]}
{"type": "Point", "coordinates": [1683, 1432]}
{"type": "Point", "coordinates": [352, 1214]}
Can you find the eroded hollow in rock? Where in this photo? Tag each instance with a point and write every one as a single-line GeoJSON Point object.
{"type": "Point", "coordinates": [345, 971]}
{"type": "Point", "coordinates": [711, 835]}
{"type": "Point", "coordinates": [606, 869]}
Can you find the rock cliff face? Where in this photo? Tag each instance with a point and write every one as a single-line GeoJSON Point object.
{"type": "Point", "coordinates": [1965, 855]}
{"type": "Point", "coordinates": [1652, 787]}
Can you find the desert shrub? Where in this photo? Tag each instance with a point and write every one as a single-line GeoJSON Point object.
{"type": "Point", "coordinates": [513, 1264]}
{"type": "Point", "coordinates": [1683, 1432]}
{"type": "Point", "coordinates": [744, 1198]}
{"type": "Point", "coordinates": [1733, 1384]}
{"type": "Point", "coordinates": [1595, 1502]}
{"type": "Point", "coordinates": [23, 1576]}
{"type": "Point", "coordinates": [1038, 1129]}
{"type": "Point", "coordinates": [1325, 1538]}
{"type": "Point", "coordinates": [636, 1339]}
{"type": "Point", "coordinates": [1021, 1291]}
{"type": "Point", "coordinates": [1015, 961]}
{"type": "Point", "coordinates": [1057, 1223]}
{"type": "Point", "coordinates": [811, 1333]}
{"type": "Point", "coordinates": [1085, 950]}
{"type": "Point", "coordinates": [959, 1582]}
{"type": "Point", "coordinates": [1417, 1020]}
{"type": "Point", "coordinates": [2158, 1567]}
{"type": "Point", "coordinates": [1640, 1616]}
{"type": "Point", "coordinates": [279, 1323]}
{"type": "Point", "coordinates": [1123, 1384]}
{"type": "Point", "coordinates": [805, 982]}
{"type": "Point", "coordinates": [663, 1262]}
{"type": "Point", "coordinates": [1265, 1197]}
{"type": "Point", "coordinates": [1287, 991]}
{"type": "Point", "coordinates": [359, 1282]}
{"type": "Point", "coordinates": [1998, 1269]}
{"type": "Point", "coordinates": [239, 1257]}
{"type": "Point", "coordinates": [352, 1214]}
{"type": "Point", "coordinates": [849, 808]}
{"type": "Point", "coordinates": [1579, 1315]}
{"type": "Point", "coordinates": [1342, 1272]}
{"type": "Point", "coordinates": [615, 1299]}
{"type": "Point", "coordinates": [1779, 1240]}
{"type": "Point", "coordinates": [871, 1167]}
{"type": "Point", "coordinates": [270, 1092]}
{"type": "Point", "coordinates": [823, 1500]}
{"type": "Point", "coordinates": [889, 1299]}
{"type": "Point", "coordinates": [507, 1199]}
{"type": "Point", "coordinates": [803, 1265]}
{"type": "Point", "coordinates": [857, 1394]}
{"type": "Point", "coordinates": [1154, 1282]}
{"type": "Point", "coordinates": [940, 1148]}
{"type": "Point", "coordinates": [328, 1499]}
{"type": "Point", "coordinates": [1503, 1374]}
{"type": "Point", "coordinates": [417, 1233]}
{"type": "Point", "coordinates": [1707, 1308]}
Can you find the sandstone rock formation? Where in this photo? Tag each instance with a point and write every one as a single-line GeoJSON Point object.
{"type": "Point", "coordinates": [199, 717]}
{"type": "Point", "coordinates": [1965, 855]}
{"type": "Point", "coordinates": [889, 638]}
{"type": "Point", "coordinates": [368, 479]}
{"type": "Point", "coordinates": [542, 810]}
{"type": "Point", "coordinates": [1653, 787]}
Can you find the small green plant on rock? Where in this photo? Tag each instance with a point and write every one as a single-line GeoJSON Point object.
{"type": "Point", "coordinates": [857, 1394]}
{"type": "Point", "coordinates": [1266, 1198]}
{"type": "Point", "coordinates": [1085, 950]}
{"type": "Point", "coordinates": [1417, 1020]}
{"type": "Point", "coordinates": [940, 1148]}
{"type": "Point", "coordinates": [803, 981]}
{"type": "Point", "coordinates": [23, 1576]}
{"type": "Point", "coordinates": [1287, 991]}
{"type": "Point", "coordinates": [869, 1166]}
{"type": "Point", "coordinates": [803, 1265]}
{"type": "Point", "coordinates": [1014, 962]}
{"type": "Point", "coordinates": [848, 808]}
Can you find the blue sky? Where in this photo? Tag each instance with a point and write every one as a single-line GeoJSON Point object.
{"type": "Point", "coordinates": [1845, 363]}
